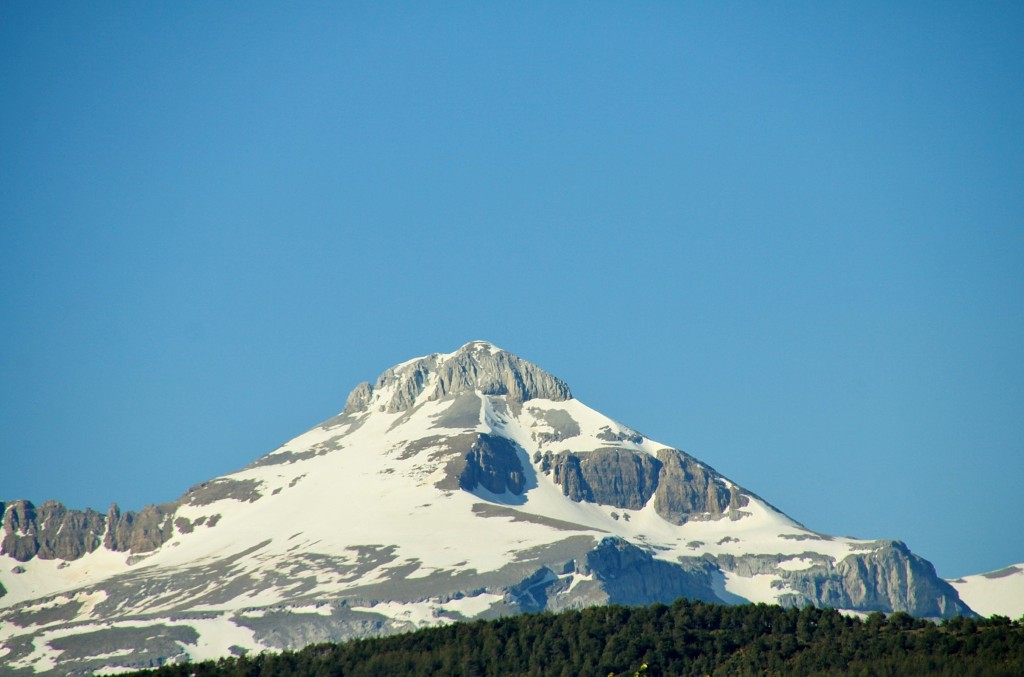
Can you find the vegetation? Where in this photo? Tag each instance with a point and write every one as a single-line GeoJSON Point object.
{"type": "Point", "coordinates": [686, 638]}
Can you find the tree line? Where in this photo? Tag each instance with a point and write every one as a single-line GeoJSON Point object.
{"type": "Point", "coordinates": [682, 639]}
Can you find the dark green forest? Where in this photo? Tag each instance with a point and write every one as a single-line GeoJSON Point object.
{"type": "Point", "coordinates": [686, 638]}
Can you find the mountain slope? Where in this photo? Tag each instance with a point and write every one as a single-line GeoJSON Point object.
{"type": "Point", "coordinates": [461, 485]}
{"type": "Point", "coordinates": [997, 592]}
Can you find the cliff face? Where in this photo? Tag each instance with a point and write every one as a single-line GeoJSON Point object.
{"type": "Point", "coordinates": [631, 575]}
{"type": "Point", "coordinates": [139, 532]}
{"type": "Point", "coordinates": [688, 488]}
{"type": "Point", "coordinates": [619, 477]}
{"type": "Point", "coordinates": [493, 463]}
{"type": "Point", "coordinates": [683, 488]}
{"type": "Point", "coordinates": [52, 531]}
{"type": "Point", "coordinates": [890, 578]}
{"type": "Point", "coordinates": [887, 577]}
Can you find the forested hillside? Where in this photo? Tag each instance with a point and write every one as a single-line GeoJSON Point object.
{"type": "Point", "coordinates": [686, 638]}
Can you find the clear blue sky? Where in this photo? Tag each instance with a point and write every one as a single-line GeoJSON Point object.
{"type": "Point", "coordinates": [787, 239]}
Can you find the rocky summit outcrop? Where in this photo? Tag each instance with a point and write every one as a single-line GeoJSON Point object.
{"type": "Point", "coordinates": [475, 367]}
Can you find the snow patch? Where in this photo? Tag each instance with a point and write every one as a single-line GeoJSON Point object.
{"type": "Point", "coordinates": [419, 614]}
{"type": "Point", "coordinates": [764, 588]}
{"type": "Point", "coordinates": [217, 636]}
{"type": "Point", "coordinates": [473, 606]}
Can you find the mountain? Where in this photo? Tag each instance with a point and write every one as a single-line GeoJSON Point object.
{"type": "Point", "coordinates": [457, 486]}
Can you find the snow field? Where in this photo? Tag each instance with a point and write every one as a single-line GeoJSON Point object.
{"type": "Point", "coordinates": [1000, 592]}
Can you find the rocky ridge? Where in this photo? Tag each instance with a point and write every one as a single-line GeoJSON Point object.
{"type": "Point", "coordinates": [52, 531]}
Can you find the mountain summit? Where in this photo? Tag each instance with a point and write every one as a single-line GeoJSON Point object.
{"type": "Point", "coordinates": [478, 366]}
{"type": "Point", "coordinates": [457, 486]}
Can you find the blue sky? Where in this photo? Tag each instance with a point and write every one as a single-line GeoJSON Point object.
{"type": "Point", "coordinates": [787, 239]}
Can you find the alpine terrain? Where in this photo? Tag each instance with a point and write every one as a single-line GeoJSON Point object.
{"type": "Point", "coordinates": [457, 486]}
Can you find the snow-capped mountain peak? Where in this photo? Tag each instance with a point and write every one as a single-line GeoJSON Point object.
{"type": "Point", "coordinates": [458, 485]}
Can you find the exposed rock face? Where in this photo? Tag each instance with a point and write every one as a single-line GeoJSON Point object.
{"type": "Point", "coordinates": [50, 531]}
{"type": "Point", "coordinates": [682, 486]}
{"type": "Point", "coordinates": [359, 399]}
{"type": "Point", "coordinates": [20, 532]}
{"type": "Point", "coordinates": [630, 575]}
{"type": "Point", "coordinates": [686, 487]}
{"type": "Point", "coordinates": [477, 366]}
{"type": "Point", "coordinates": [568, 474]}
{"type": "Point", "coordinates": [493, 463]}
{"type": "Point", "coordinates": [619, 477]}
{"type": "Point", "coordinates": [139, 532]}
{"type": "Point", "coordinates": [888, 578]}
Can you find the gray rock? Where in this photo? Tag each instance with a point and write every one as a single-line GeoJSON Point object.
{"type": "Point", "coordinates": [359, 398]}
{"type": "Point", "coordinates": [475, 367]}
{"type": "Point", "coordinates": [568, 474]}
{"type": "Point", "coordinates": [222, 488]}
{"type": "Point", "coordinates": [889, 578]}
{"type": "Point", "coordinates": [452, 450]}
{"type": "Point", "coordinates": [493, 463]}
{"type": "Point", "coordinates": [620, 477]}
{"type": "Point", "coordinates": [630, 575]}
{"type": "Point", "coordinates": [19, 538]}
{"type": "Point", "coordinates": [687, 487]}
{"type": "Point", "coordinates": [50, 531]}
{"type": "Point", "coordinates": [464, 412]}
{"type": "Point", "coordinates": [562, 424]}
{"type": "Point", "coordinates": [534, 592]}
{"type": "Point", "coordinates": [139, 532]}
{"type": "Point", "coordinates": [607, 435]}
{"type": "Point", "coordinates": [683, 487]}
